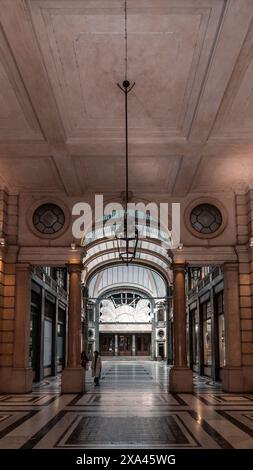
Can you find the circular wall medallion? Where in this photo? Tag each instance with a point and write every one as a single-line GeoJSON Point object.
{"type": "Point", "coordinates": [48, 219]}
{"type": "Point", "coordinates": [161, 333]}
{"type": "Point", "coordinates": [206, 218]}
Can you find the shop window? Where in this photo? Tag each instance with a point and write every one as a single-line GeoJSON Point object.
{"type": "Point", "coordinates": [207, 333]}
{"type": "Point", "coordinates": [48, 332]}
{"type": "Point", "coordinates": [125, 343]}
{"type": "Point", "coordinates": [34, 338]}
{"type": "Point", "coordinates": [194, 332]}
{"type": "Point", "coordinates": [221, 328]}
{"type": "Point", "coordinates": [146, 343]}
{"type": "Point", "coordinates": [106, 343]}
{"type": "Point", "coordinates": [60, 343]}
{"type": "Point", "coordinates": [60, 277]}
{"type": "Point", "coordinates": [48, 270]}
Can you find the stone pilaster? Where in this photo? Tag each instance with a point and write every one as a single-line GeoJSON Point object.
{"type": "Point", "coordinates": [232, 378]}
{"type": "Point", "coordinates": [73, 374]}
{"type": "Point", "coordinates": [8, 258]}
{"type": "Point", "coordinates": [244, 223]}
{"type": "Point", "coordinates": [180, 376]}
{"type": "Point", "coordinates": [22, 376]}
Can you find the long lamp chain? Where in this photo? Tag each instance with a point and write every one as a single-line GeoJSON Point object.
{"type": "Point", "coordinates": [126, 109]}
{"type": "Point", "coordinates": [126, 136]}
{"type": "Point", "coordinates": [126, 52]}
{"type": "Point", "coordinates": [126, 88]}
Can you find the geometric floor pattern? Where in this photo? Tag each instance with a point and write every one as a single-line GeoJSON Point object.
{"type": "Point", "coordinates": [131, 409]}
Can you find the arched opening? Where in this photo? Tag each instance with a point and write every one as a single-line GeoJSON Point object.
{"type": "Point", "coordinates": [129, 310]}
{"type": "Point", "coordinates": [123, 300]}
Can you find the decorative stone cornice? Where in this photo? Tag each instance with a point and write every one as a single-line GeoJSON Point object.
{"type": "Point", "coordinates": [50, 255]}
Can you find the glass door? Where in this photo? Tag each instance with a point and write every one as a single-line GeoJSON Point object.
{"type": "Point", "coordinates": [207, 338]}
{"type": "Point", "coordinates": [220, 333]}
{"type": "Point", "coordinates": [106, 344]}
{"type": "Point", "coordinates": [143, 343]}
{"type": "Point", "coordinates": [34, 350]}
{"type": "Point", "coordinates": [125, 345]}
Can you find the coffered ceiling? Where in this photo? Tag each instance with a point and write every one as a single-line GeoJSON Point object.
{"type": "Point", "coordinates": [190, 112]}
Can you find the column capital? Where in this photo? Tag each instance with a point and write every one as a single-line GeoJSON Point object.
{"type": "Point", "coordinates": [179, 266]}
{"type": "Point", "coordinates": [230, 266]}
{"type": "Point", "coordinates": [24, 267]}
{"type": "Point", "coordinates": [241, 248]}
{"type": "Point", "coordinates": [75, 267]}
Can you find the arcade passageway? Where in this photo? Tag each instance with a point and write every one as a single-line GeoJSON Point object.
{"type": "Point", "coordinates": [169, 303]}
{"type": "Point", "coordinates": [131, 408]}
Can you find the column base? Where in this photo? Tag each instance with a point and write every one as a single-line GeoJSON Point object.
{"type": "Point", "coordinates": [180, 380]}
{"type": "Point", "coordinates": [18, 380]}
{"type": "Point", "coordinates": [73, 380]}
{"type": "Point", "coordinates": [248, 379]}
{"type": "Point", "coordinates": [232, 379]}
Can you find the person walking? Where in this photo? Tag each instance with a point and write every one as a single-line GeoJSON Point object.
{"type": "Point", "coordinates": [84, 360]}
{"type": "Point", "coordinates": [96, 367]}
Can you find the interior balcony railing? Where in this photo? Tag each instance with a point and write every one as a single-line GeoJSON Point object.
{"type": "Point", "coordinates": [50, 282]}
{"type": "Point", "coordinates": [214, 273]}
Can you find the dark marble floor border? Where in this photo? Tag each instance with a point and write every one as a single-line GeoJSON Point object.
{"type": "Point", "coordinates": [33, 441]}
{"type": "Point", "coordinates": [76, 398]}
{"type": "Point", "coordinates": [188, 430]}
{"type": "Point", "coordinates": [222, 395]}
{"type": "Point", "coordinates": [56, 445]}
{"type": "Point", "coordinates": [4, 404]}
{"type": "Point", "coordinates": [36, 438]}
{"type": "Point", "coordinates": [242, 426]}
{"type": "Point", "coordinates": [17, 423]}
{"type": "Point", "coordinates": [104, 412]}
{"type": "Point", "coordinates": [31, 398]}
{"type": "Point", "coordinates": [220, 440]}
{"type": "Point", "coordinates": [217, 405]}
{"type": "Point", "coordinates": [179, 399]}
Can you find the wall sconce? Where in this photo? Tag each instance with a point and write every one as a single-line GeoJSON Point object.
{"type": "Point", "coordinates": [180, 246]}
{"type": "Point", "coordinates": [251, 242]}
{"type": "Point", "coordinates": [73, 246]}
{"type": "Point", "coordinates": [2, 242]}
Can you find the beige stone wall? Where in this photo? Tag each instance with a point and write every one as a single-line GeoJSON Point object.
{"type": "Point", "coordinates": [248, 349]}
{"type": "Point", "coordinates": [8, 255]}
{"type": "Point", "coordinates": [244, 219]}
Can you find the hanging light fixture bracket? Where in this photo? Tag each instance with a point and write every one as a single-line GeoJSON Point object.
{"type": "Point", "coordinates": [125, 86]}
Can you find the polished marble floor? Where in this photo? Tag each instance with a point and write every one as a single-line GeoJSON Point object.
{"type": "Point", "coordinates": [130, 409]}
